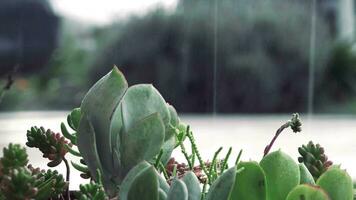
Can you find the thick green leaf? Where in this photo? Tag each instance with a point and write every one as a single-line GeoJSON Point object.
{"type": "Point", "coordinates": [139, 102]}
{"type": "Point", "coordinates": [99, 104]}
{"type": "Point", "coordinates": [116, 128]}
{"type": "Point", "coordinates": [168, 148]}
{"type": "Point", "coordinates": [144, 186]}
{"type": "Point", "coordinates": [222, 187]}
{"type": "Point", "coordinates": [143, 141]}
{"type": "Point", "coordinates": [174, 116]}
{"type": "Point", "coordinates": [193, 185]}
{"type": "Point", "coordinates": [249, 183]}
{"type": "Point", "coordinates": [130, 177]}
{"type": "Point", "coordinates": [307, 192]}
{"type": "Point", "coordinates": [162, 195]}
{"type": "Point", "coordinates": [337, 183]}
{"type": "Point", "coordinates": [163, 185]}
{"type": "Point", "coordinates": [87, 146]}
{"type": "Point", "coordinates": [178, 191]}
{"type": "Point", "coordinates": [74, 118]}
{"type": "Point", "coordinates": [305, 175]}
{"type": "Point", "coordinates": [282, 174]}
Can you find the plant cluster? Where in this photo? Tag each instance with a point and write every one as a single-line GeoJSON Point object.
{"type": "Point", "coordinates": [19, 181]}
{"type": "Point", "coordinates": [125, 137]}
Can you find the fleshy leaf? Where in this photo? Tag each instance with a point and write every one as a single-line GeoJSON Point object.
{"type": "Point", "coordinates": [222, 187]}
{"type": "Point", "coordinates": [139, 102]}
{"type": "Point", "coordinates": [193, 186]}
{"type": "Point", "coordinates": [143, 141]}
{"type": "Point", "coordinates": [178, 191]}
{"type": "Point", "coordinates": [98, 105]}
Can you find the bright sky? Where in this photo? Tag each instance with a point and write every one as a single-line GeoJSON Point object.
{"type": "Point", "coordinates": [103, 11]}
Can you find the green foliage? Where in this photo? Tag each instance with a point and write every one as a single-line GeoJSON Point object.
{"type": "Point", "coordinates": [125, 135]}
{"type": "Point", "coordinates": [50, 183]}
{"type": "Point", "coordinates": [305, 175]}
{"type": "Point", "coordinates": [121, 126]}
{"type": "Point", "coordinates": [337, 183]}
{"type": "Point", "coordinates": [307, 192]}
{"type": "Point", "coordinates": [250, 183]}
{"type": "Point", "coordinates": [92, 191]}
{"type": "Point", "coordinates": [52, 145]}
{"type": "Point", "coordinates": [337, 91]}
{"type": "Point", "coordinates": [282, 174]}
{"type": "Point", "coordinates": [73, 120]}
{"type": "Point", "coordinates": [314, 158]}
{"type": "Point", "coordinates": [19, 184]}
{"type": "Point", "coordinates": [222, 187]}
{"type": "Point", "coordinates": [144, 182]}
{"type": "Point", "coordinates": [18, 181]}
{"type": "Point", "coordinates": [14, 157]}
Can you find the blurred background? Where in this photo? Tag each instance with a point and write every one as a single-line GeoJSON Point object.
{"type": "Point", "coordinates": [245, 63]}
{"type": "Point", "coordinates": [227, 56]}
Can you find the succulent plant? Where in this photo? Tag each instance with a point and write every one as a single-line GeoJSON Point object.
{"type": "Point", "coordinates": [144, 182]}
{"type": "Point", "coordinates": [251, 182]}
{"type": "Point", "coordinates": [18, 184]}
{"type": "Point", "coordinates": [73, 120]}
{"type": "Point", "coordinates": [314, 158]}
{"type": "Point", "coordinates": [14, 156]}
{"type": "Point", "coordinates": [50, 183]}
{"type": "Point", "coordinates": [92, 191]}
{"type": "Point", "coordinates": [305, 175]}
{"type": "Point", "coordinates": [121, 126]}
{"type": "Point", "coordinates": [282, 174]}
{"type": "Point", "coordinates": [307, 192]}
{"type": "Point", "coordinates": [337, 183]}
{"type": "Point", "coordinates": [52, 145]}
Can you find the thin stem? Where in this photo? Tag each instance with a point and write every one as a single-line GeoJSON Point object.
{"type": "Point", "coordinates": [238, 157]}
{"type": "Point", "coordinates": [213, 162]}
{"type": "Point", "coordinates": [278, 132]}
{"type": "Point", "coordinates": [184, 152]}
{"type": "Point", "coordinates": [164, 171]}
{"type": "Point", "coordinates": [174, 174]}
{"type": "Point", "coordinates": [194, 146]}
{"type": "Point", "coordinates": [225, 160]}
{"type": "Point", "coordinates": [193, 156]}
{"type": "Point", "coordinates": [158, 159]}
{"type": "Point", "coordinates": [67, 177]}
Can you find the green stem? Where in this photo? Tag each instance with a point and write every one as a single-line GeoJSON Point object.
{"type": "Point", "coordinates": [224, 166]}
{"type": "Point", "coordinates": [212, 165]}
{"type": "Point", "coordinates": [163, 169]}
{"type": "Point", "coordinates": [194, 146]}
{"type": "Point", "coordinates": [67, 177]}
{"type": "Point", "coordinates": [186, 155]}
{"type": "Point", "coordinates": [238, 157]}
{"type": "Point", "coordinates": [158, 159]}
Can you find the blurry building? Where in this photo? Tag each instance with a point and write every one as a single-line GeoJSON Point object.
{"type": "Point", "coordinates": [28, 34]}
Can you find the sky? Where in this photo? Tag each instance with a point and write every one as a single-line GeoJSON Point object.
{"type": "Point", "coordinates": [104, 11]}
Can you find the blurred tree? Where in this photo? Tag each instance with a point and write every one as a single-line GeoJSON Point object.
{"type": "Point", "coordinates": [262, 54]}
{"type": "Point", "coordinates": [337, 91]}
{"type": "Point", "coordinates": [28, 34]}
